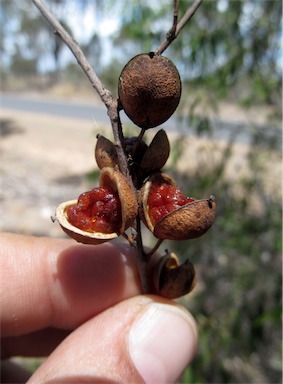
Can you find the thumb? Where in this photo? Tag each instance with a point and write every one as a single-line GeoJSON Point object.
{"type": "Point", "coordinates": [143, 339]}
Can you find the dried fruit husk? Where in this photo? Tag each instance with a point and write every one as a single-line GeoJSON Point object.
{"type": "Point", "coordinates": [118, 182]}
{"type": "Point", "coordinates": [172, 279]}
{"type": "Point", "coordinates": [77, 234]}
{"type": "Point", "coordinates": [134, 149]}
{"type": "Point", "coordinates": [114, 179]}
{"type": "Point", "coordinates": [144, 193]}
{"type": "Point", "coordinates": [157, 153]}
{"type": "Point", "coordinates": [149, 89]}
{"type": "Point", "coordinates": [105, 153]}
{"type": "Point", "coordinates": [189, 221]}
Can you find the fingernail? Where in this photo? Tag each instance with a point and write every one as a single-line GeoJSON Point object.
{"type": "Point", "coordinates": [162, 341]}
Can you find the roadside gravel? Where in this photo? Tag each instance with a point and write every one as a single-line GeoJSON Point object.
{"type": "Point", "coordinates": [45, 161]}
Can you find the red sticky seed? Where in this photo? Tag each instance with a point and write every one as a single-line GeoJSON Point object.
{"type": "Point", "coordinates": [98, 210]}
{"type": "Point", "coordinates": [163, 199]}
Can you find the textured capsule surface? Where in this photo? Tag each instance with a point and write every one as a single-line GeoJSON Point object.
{"type": "Point", "coordinates": [149, 89]}
{"type": "Point", "coordinates": [169, 214]}
{"type": "Point", "coordinates": [101, 214]}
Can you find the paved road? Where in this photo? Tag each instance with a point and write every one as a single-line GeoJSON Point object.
{"type": "Point", "coordinates": [57, 108]}
{"type": "Point", "coordinates": [222, 130]}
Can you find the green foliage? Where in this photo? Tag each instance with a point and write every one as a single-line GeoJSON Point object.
{"type": "Point", "coordinates": [236, 44]}
{"type": "Point", "coordinates": [138, 19]}
{"type": "Point", "coordinates": [238, 299]}
{"type": "Point", "coordinates": [23, 66]}
{"type": "Point", "coordinates": [110, 75]}
{"type": "Point", "coordinates": [93, 176]}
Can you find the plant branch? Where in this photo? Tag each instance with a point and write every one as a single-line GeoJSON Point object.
{"type": "Point", "coordinates": [142, 259]}
{"type": "Point", "coordinates": [105, 95]}
{"type": "Point", "coordinates": [114, 116]}
{"type": "Point", "coordinates": [174, 32]}
{"type": "Point", "coordinates": [113, 108]}
{"type": "Point", "coordinates": [155, 248]}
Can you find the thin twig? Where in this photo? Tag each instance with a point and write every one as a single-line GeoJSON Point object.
{"type": "Point", "coordinates": [118, 141]}
{"type": "Point", "coordinates": [155, 248]}
{"type": "Point", "coordinates": [141, 134]}
{"type": "Point", "coordinates": [172, 32]}
{"type": "Point", "coordinates": [175, 13]}
{"type": "Point", "coordinates": [169, 37]}
{"type": "Point", "coordinates": [105, 95]}
{"type": "Point", "coordinates": [142, 260]}
{"type": "Point", "coordinates": [129, 239]}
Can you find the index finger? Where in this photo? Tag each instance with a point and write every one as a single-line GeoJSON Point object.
{"type": "Point", "coordinates": [60, 283]}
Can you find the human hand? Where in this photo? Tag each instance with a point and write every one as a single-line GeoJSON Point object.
{"type": "Point", "coordinates": [82, 307]}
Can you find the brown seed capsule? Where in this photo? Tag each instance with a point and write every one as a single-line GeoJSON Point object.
{"type": "Point", "coordinates": [157, 153]}
{"type": "Point", "coordinates": [105, 153]}
{"type": "Point", "coordinates": [134, 150]}
{"type": "Point", "coordinates": [116, 182]}
{"type": "Point", "coordinates": [149, 89]}
{"type": "Point", "coordinates": [169, 214]}
{"type": "Point", "coordinates": [172, 279]}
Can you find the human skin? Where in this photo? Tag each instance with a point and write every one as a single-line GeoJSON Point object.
{"type": "Point", "coordinates": [82, 307]}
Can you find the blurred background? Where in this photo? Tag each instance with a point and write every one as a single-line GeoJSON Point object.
{"type": "Point", "coordinates": [226, 140]}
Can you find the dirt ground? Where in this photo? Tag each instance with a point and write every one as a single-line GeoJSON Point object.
{"type": "Point", "coordinates": [45, 160]}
